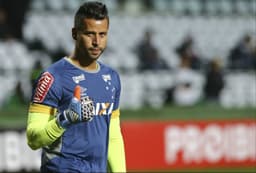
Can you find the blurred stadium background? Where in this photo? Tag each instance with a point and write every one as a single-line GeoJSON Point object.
{"type": "Point", "coordinates": [41, 34]}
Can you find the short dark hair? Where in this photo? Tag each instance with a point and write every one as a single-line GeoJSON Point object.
{"type": "Point", "coordinates": [91, 10]}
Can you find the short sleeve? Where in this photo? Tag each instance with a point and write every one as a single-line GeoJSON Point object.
{"type": "Point", "coordinates": [118, 92]}
{"type": "Point", "coordinates": [47, 90]}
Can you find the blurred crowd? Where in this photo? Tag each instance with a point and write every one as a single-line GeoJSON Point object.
{"type": "Point", "coordinates": [241, 57]}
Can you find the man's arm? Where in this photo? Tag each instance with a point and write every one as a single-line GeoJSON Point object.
{"type": "Point", "coordinates": [42, 127]}
{"type": "Point", "coordinates": [116, 152]}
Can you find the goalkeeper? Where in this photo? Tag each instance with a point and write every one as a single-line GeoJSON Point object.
{"type": "Point", "coordinates": [74, 110]}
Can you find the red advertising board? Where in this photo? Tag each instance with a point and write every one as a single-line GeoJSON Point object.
{"type": "Point", "coordinates": [185, 144]}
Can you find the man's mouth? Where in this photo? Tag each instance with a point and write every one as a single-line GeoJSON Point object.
{"type": "Point", "coordinates": [95, 51]}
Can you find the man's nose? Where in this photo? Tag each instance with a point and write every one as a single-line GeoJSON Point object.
{"type": "Point", "coordinates": [96, 40]}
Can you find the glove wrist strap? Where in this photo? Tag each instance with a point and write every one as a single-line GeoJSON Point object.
{"type": "Point", "coordinates": [62, 120]}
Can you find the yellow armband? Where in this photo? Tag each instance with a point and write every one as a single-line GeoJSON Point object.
{"type": "Point", "coordinates": [42, 128]}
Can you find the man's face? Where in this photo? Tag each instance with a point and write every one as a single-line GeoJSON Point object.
{"type": "Point", "coordinates": [92, 40]}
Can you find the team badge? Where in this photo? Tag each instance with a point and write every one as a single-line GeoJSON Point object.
{"type": "Point", "coordinates": [106, 77]}
{"type": "Point", "coordinates": [43, 86]}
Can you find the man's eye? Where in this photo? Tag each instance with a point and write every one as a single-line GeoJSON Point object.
{"type": "Point", "coordinates": [102, 35]}
{"type": "Point", "coordinates": [89, 34]}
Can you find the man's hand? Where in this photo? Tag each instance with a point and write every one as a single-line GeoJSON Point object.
{"type": "Point", "coordinates": [81, 109]}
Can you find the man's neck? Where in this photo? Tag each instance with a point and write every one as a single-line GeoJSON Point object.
{"type": "Point", "coordinates": [88, 66]}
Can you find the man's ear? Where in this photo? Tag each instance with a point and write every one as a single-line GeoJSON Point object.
{"type": "Point", "coordinates": [74, 33]}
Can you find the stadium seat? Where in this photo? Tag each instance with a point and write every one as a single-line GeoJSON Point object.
{"type": "Point", "coordinates": [225, 7]}
{"type": "Point", "coordinates": [7, 90]}
{"type": "Point", "coordinates": [38, 5]}
{"type": "Point", "coordinates": [239, 90]}
{"type": "Point", "coordinates": [6, 63]}
{"type": "Point", "coordinates": [71, 5]}
{"type": "Point", "coordinates": [194, 7]}
{"type": "Point", "coordinates": [56, 5]}
{"type": "Point", "coordinates": [155, 85]}
{"type": "Point", "coordinates": [242, 7]}
{"type": "Point", "coordinates": [132, 91]}
{"type": "Point", "coordinates": [251, 7]}
{"type": "Point", "coordinates": [178, 6]}
{"type": "Point", "coordinates": [161, 5]}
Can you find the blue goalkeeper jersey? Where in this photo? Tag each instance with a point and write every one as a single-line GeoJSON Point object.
{"type": "Point", "coordinates": [83, 146]}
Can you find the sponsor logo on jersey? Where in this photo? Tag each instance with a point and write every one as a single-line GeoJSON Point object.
{"type": "Point", "coordinates": [79, 78]}
{"type": "Point", "coordinates": [106, 77]}
{"type": "Point", "coordinates": [103, 108]}
{"type": "Point", "coordinates": [43, 86]}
